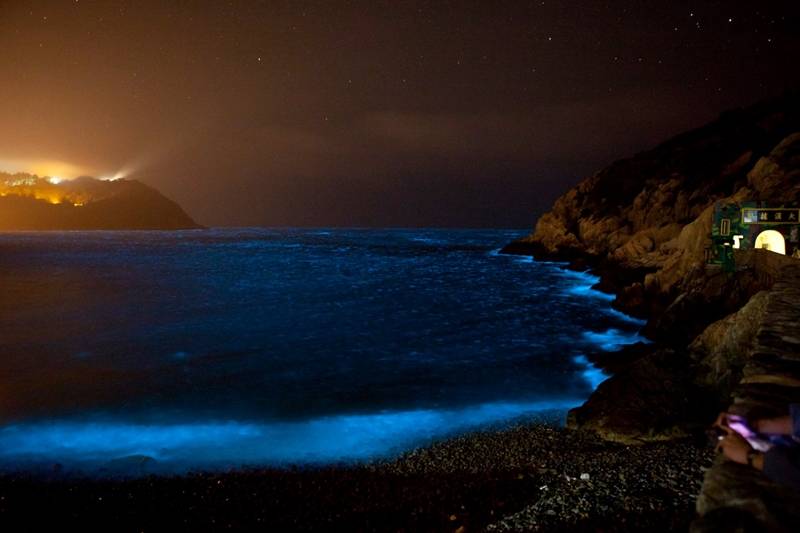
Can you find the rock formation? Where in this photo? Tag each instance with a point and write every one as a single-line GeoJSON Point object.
{"type": "Point", "coordinates": [643, 224]}
{"type": "Point", "coordinates": [721, 350]}
{"type": "Point", "coordinates": [30, 202]}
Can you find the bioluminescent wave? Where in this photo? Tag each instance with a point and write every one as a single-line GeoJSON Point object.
{"type": "Point", "coordinates": [248, 346]}
{"type": "Point", "coordinates": [215, 444]}
{"type": "Point", "coordinates": [581, 285]}
{"type": "Point", "coordinates": [593, 375]}
{"type": "Point", "coordinates": [612, 339]}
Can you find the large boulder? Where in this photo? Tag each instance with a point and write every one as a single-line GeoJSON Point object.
{"type": "Point", "coordinates": [652, 399]}
{"type": "Point", "coordinates": [722, 349]}
{"type": "Point", "coordinates": [707, 296]}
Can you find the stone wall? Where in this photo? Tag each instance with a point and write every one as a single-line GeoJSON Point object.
{"type": "Point", "coordinates": [766, 265]}
{"type": "Point", "coordinates": [734, 493]}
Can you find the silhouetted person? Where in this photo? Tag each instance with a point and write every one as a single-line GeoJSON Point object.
{"type": "Point", "coordinates": [771, 445]}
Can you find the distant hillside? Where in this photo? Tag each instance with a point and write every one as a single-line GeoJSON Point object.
{"type": "Point", "coordinates": [30, 202]}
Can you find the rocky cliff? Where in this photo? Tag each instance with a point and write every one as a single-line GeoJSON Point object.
{"type": "Point", "coordinates": [643, 225]}
{"type": "Point", "coordinates": [29, 202]}
{"type": "Point", "coordinates": [723, 340]}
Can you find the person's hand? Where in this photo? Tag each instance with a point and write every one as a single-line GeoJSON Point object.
{"type": "Point", "coordinates": [738, 423]}
{"type": "Point", "coordinates": [734, 446]}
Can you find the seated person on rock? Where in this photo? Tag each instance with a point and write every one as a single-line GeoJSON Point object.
{"type": "Point", "coordinates": [771, 445]}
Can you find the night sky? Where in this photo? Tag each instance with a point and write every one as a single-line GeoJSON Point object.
{"type": "Point", "coordinates": [373, 113]}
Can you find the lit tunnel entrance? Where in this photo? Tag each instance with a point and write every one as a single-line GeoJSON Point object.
{"type": "Point", "coordinates": [771, 240]}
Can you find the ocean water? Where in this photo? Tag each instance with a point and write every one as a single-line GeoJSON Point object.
{"type": "Point", "coordinates": [231, 347]}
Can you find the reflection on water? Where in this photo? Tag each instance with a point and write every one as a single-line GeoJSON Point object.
{"type": "Point", "coordinates": [211, 347]}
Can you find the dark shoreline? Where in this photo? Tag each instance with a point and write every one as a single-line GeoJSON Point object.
{"type": "Point", "coordinates": [527, 477]}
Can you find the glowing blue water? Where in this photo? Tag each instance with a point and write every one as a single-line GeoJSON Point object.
{"type": "Point", "coordinates": [183, 445]}
{"type": "Point", "coordinates": [225, 347]}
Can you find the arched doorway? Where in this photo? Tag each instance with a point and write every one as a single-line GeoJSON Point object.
{"type": "Point", "coordinates": [771, 240]}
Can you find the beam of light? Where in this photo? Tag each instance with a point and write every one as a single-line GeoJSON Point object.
{"type": "Point", "coordinates": [114, 177]}
{"type": "Point", "coordinates": [221, 444]}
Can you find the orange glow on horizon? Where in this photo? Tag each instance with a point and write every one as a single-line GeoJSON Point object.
{"type": "Point", "coordinates": [43, 189]}
{"type": "Point", "coordinates": [47, 181]}
{"type": "Point", "coordinates": [46, 168]}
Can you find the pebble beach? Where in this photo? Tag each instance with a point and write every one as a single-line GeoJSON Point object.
{"type": "Point", "coordinates": [529, 477]}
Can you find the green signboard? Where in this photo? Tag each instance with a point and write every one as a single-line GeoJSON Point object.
{"type": "Point", "coordinates": [750, 225]}
{"type": "Point", "coordinates": [766, 215]}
